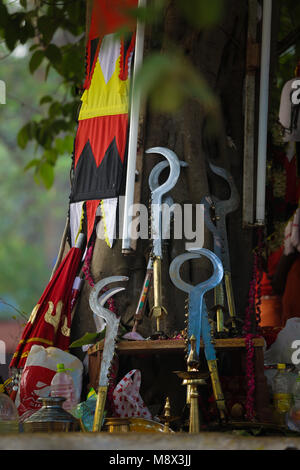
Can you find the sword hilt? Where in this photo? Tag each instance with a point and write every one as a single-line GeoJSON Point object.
{"type": "Point", "coordinates": [217, 389]}
{"type": "Point", "coordinates": [99, 411]}
{"type": "Point", "coordinates": [157, 310]}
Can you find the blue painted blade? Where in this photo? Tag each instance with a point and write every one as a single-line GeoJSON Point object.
{"type": "Point", "coordinates": [195, 318]}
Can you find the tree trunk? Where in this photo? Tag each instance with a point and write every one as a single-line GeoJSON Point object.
{"type": "Point", "coordinates": [219, 54]}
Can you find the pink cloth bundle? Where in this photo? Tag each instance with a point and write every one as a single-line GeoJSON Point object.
{"type": "Point", "coordinates": [127, 400]}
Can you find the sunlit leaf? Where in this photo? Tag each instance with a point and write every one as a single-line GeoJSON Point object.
{"type": "Point", "coordinates": [167, 80]}
{"type": "Point", "coordinates": [34, 162]}
{"type": "Point", "coordinates": [88, 338]}
{"type": "Point", "coordinates": [201, 13]}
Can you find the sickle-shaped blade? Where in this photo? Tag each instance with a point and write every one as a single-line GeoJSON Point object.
{"type": "Point", "coordinates": [153, 179]}
{"type": "Point", "coordinates": [174, 271]}
{"type": "Point", "coordinates": [174, 171]}
{"type": "Point", "coordinates": [222, 208]}
{"type": "Point", "coordinates": [167, 201]}
{"type": "Point", "coordinates": [158, 193]}
{"type": "Point", "coordinates": [232, 203]}
{"type": "Point", "coordinates": [197, 307]}
{"type": "Point", "coordinates": [208, 202]}
{"type": "Point", "coordinates": [112, 323]}
{"type": "Point", "coordinates": [198, 316]}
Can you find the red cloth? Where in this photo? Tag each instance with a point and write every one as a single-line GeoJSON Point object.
{"type": "Point", "coordinates": [270, 334]}
{"type": "Point", "coordinates": [91, 209]}
{"type": "Point", "coordinates": [270, 308]}
{"type": "Point", "coordinates": [100, 132]}
{"type": "Point", "coordinates": [107, 17]}
{"type": "Point", "coordinates": [273, 260]}
{"type": "Point", "coordinates": [110, 15]}
{"type": "Point", "coordinates": [50, 321]}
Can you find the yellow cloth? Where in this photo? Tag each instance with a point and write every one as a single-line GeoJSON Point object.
{"type": "Point", "coordinates": [107, 94]}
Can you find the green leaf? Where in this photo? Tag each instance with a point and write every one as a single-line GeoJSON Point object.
{"type": "Point", "coordinates": [32, 163]}
{"type": "Point", "coordinates": [24, 135]}
{"type": "Point", "coordinates": [54, 109]}
{"type": "Point", "coordinates": [51, 156]}
{"type": "Point", "coordinates": [47, 27]}
{"type": "Point", "coordinates": [88, 338]}
{"type": "Point", "coordinates": [201, 13]}
{"type": "Point", "coordinates": [47, 71]}
{"type": "Point", "coordinates": [3, 16]}
{"type": "Point", "coordinates": [33, 47]}
{"type": "Point", "coordinates": [169, 79]}
{"type": "Point", "coordinates": [64, 145]}
{"type": "Point", "coordinates": [46, 99]}
{"type": "Point", "coordinates": [149, 14]}
{"type": "Point", "coordinates": [36, 60]}
{"type": "Point", "coordinates": [54, 55]}
{"type": "Point", "coordinates": [26, 32]}
{"type": "Point", "coordinates": [46, 172]}
{"type": "Point", "coordinates": [11, 34]}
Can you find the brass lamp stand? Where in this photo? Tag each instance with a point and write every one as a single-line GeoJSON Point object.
{"type": "Point", "coordinates": [192, 378]}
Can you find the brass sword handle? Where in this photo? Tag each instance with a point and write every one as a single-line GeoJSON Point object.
{"type": "Point", "coordinates": [100, 406]}
{"type": "Point", "coordinates": [157, 310]}
{"type": "Point", "coordinates": [219, 303]}
{"type": "Point", "coordinates": [217, 389]}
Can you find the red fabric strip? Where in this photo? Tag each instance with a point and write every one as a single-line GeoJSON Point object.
{"type": "Point", "coordinates": [91, 209]}
{"type": "Point", "coordinates": [101, 131]}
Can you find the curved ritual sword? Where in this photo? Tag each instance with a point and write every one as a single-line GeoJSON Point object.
{"type": "Point", "coordinates": [167, 200]}
{"type": "Point", "coordinates": [219, 298]}
{"type": "Point", "coordinates": [157, 195]}
{"type": "Point", "coordinates": [153, 182]}
{"type": "Point", "coordinates": [112, 326]}
{"type": "Point", "coordinates": [222, 208]}
{"type": "Point", "coordinates": [198, 323]}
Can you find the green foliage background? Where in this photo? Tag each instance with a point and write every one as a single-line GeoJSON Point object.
{"type": "Point", "coordinates": [42, 55]}
{"type": "Point", "coordinates": [37, 128]}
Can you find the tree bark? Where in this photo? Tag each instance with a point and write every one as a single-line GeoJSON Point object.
{"type": "Point", "coordinates": [219, 55]}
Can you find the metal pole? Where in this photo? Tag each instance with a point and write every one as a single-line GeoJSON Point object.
{"type": "Point", "coordinates": [249, 110]}
{"type": "Point", "coordinates": [133, 136]}
{"type": "Point", "coordinates": [263, 112]}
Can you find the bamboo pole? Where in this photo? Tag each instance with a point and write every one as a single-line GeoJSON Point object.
{"type": "Point", "coordinates": [133, 137]}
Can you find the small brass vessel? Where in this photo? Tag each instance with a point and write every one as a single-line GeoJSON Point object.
{"type": "Point", "coordinates": [117, 425]}
{"type": "Point", "coordinates": [51, 417]}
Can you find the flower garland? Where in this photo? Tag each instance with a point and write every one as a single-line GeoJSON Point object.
{"type": "Point", "coordinates": [252, 310]}
{"type": "Point", "coordinates": [112, 307]}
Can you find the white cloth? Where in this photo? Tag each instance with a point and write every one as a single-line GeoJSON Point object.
{"type": "Point", "coordinates": [285, 112]}
{"type": "Point", "coordinates": [75, 217]}
{"type": "Point", "coordinates": [108, 55]}
{"type": "Point", "coordinates": [288, 246]}
{"type": "Point", "coordinates": [126, 396]}
{"type": "Point", "coordinates": [106, 227]}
